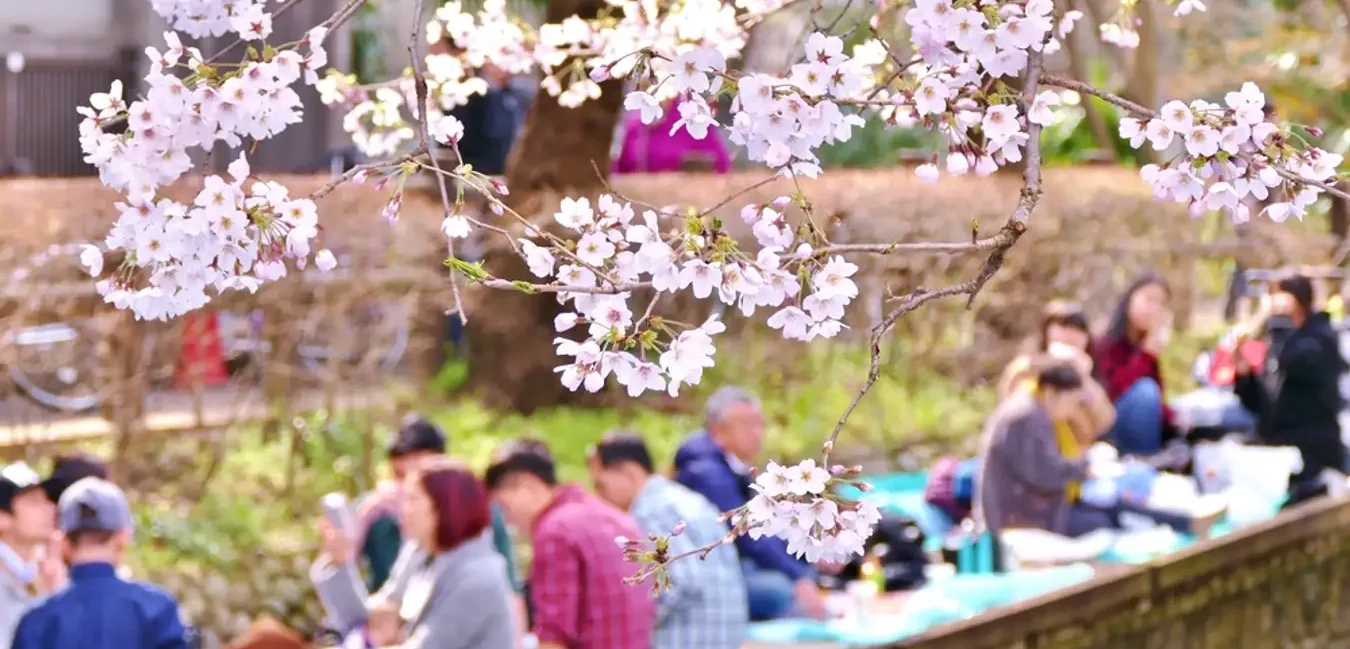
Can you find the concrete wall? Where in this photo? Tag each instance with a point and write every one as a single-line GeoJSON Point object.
{"type": "Point", "coordinates": [1282, 584]}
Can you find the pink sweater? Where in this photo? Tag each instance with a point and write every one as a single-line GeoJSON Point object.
{"type": "Point", "coordinates": [652, 149]}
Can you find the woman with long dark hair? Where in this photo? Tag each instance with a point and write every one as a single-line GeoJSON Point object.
{"type": "Point", "coordinates": [1127, 368]}
{"type": "Point", "coordinates": [449, 588]}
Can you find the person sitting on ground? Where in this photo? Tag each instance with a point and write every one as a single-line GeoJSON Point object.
{"type": "Point", "coordinates": [705, 605]}
{"type": "Point", "coordinates": [715, 463]}
{"type": "Point", "coordinates": [1023, 478]}
{"type": "Point", "coordinates": [30, 565]}
{"type": "Point", "coordinates": [1127, 367]}
{"type": "Point", "coordinates": [100, 610]}
{"type": "Point", "coordinates": [577, 583]}
{"type": "Point", "coordinates": [1064, 334]}
{"type": "Point", "coordinates": [449, 589]}
{"type": "Point", "coordinates": [1297, 397]}
{"type": "Point", "coordinates": [377, 526]}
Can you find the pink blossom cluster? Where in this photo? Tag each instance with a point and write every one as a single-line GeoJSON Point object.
{"type": "Point", "coordinates": [232, 235]}
{"type": "Point", "coordinates": [1229, 157]}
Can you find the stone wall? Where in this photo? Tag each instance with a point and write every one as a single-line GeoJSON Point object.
{"type": "Point", "coordinates": [1285, 583]}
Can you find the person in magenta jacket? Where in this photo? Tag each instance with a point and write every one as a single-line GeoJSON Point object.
{"type": "Point", "coordinates": [652, 148]}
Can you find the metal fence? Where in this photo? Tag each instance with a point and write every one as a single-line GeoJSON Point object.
{"type": "Point", "coordinates": [39, 118]}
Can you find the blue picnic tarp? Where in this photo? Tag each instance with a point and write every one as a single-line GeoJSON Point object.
{"type": "Point", "coordinates": [944, 600]}
{"type": "Point", "coordinates": [959, 596]}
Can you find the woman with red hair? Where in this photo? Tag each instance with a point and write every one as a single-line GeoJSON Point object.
{"type": "Point", "coordinates": [449, 588]}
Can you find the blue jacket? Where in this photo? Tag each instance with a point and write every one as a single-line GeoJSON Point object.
{"type": "Point", "coordinates": [701, 465]}
{"type": "Point", "coordinates": [99, 610]}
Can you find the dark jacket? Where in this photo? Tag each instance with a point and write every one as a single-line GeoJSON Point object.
{"type": "Point", "coordinates": [1297, 398]}
{"type": "Point", "coordinates": [491, 122]}
{"type": "Point", "coordinates": [101, 611]}
{"type": "Point", "coordinates": [702, 466]}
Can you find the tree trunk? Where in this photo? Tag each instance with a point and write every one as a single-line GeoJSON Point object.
{"type": "Point", "coordinates": [1078, 69]}
{"type": "Point", "coordinates": [1142, 87]}
{"type": "Point", "coordinates": [510, 335]}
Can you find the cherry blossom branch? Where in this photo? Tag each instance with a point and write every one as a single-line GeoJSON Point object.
{"type": "Point", "coordinates": [1147, 113]}
{"type": "Point", "coordinates": [1000, 243]}
{"type": "Point", "coordinates": [281, 11]}
{"type": "Point", "coordinates": [416, 48]}
{"type": "Point", "coordinates": [362, 169]}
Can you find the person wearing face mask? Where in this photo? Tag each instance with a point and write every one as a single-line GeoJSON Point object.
{"type": "Point", "coordinates": [1128, 369]}
{"type": "Point", "coordinates": [715, 462]}
{"type": "Point", "coordinates": [1296, 396]}
{"type": "Point", "coordinates": [27, 526]}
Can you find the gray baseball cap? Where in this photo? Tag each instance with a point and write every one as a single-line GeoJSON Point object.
{"type": "Point", "coordinates": [94, 504]}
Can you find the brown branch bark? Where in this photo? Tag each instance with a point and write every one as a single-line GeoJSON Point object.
{"type": "Point", "coordinates": [1006, 238]}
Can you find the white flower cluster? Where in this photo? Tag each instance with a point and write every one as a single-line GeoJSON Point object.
{"type": "Point", "coordinates": [200, 18]}
{"type": "Point", "coordinates": [795, 503]}
{"type": "Point", "coordinates": [227, 238]}
{"type": "Point", "coordinates": [609, 45]}
{"type": "Point", "coordinates": [964, 50]}
{"type": "Point", "coordinates": [1232, 155]}
{"type": "Point", "coordinates": [618, 251]}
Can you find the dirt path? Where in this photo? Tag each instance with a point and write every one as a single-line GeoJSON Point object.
{"type": "Point", "coordinates": [22, 423]}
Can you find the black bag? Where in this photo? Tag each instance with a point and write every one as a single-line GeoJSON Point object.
{"type": "Point", "coordinates": [902, 559]}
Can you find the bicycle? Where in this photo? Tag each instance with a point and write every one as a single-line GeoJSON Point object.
{"type": "Point", "coordinates": [55, 364]}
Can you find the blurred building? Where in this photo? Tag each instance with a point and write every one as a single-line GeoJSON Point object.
{"type": "Point", "coordinates": [71, 49]}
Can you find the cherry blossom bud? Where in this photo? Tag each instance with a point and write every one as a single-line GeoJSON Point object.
{"type": "Point", "coordinates": [600, 74]}
{"type": "Point", "coordinates": [500, 187]}
{"type": "Point", "coordinates": [827, 447]}
{"type": "Point", "coordinates": [678, 529]}
{"type": "Point", "coordinates": [782, 202]}
{"type": "Point", "coordinates": [1315, 132]}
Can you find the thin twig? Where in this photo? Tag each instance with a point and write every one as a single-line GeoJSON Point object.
{"type": "Point", "coordinates": [354, 171]}
{"type": "Point", "coordinates": [415, 45]}
{"type": "Point", "coordinates": [524, 287]}
{"type": "Point", "coordinates": [1005, 239]}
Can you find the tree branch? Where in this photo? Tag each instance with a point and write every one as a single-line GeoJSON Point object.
{"type": "Point", "coordinates": [1004, 240]}
{"type": "Point", "coordinates": [1148, 113]}
{"type": "Point", "coordinates": [415, 50]}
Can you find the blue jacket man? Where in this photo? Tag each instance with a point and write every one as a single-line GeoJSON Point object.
{"type": "Point", "coordinates": [712, 462]}
{"type": "Point", "coordinates": [100, 610]}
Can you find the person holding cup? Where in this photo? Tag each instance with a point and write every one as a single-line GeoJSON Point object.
{"type": "Point", "coordinates": [449, 588]}
{"type": "Point", "coordinates": [1128, 369]}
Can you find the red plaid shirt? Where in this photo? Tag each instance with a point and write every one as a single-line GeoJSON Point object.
{"type": "Point", "coordinates": [577, 577]}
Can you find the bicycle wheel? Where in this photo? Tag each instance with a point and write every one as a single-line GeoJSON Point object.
{"type": "Point", "coordinates": [375, 333]}
{"type": "Point", "coordinates": [56, 365]}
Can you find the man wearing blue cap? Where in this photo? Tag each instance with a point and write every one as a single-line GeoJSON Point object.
{"type": "Point", "coordinates": [100, 610]}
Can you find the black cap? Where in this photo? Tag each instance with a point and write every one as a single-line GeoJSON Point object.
{"type": "Point", "coordinates": [416, 435]}
{"type": "Point", "coordinates": [15, 479]}
{"type": "Point", "coordinates": [70, 469]}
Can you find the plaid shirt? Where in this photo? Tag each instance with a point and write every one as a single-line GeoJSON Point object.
{"type": "Point", "coordinates": [577, 577]}
{"type": "Point", "coordinates": [705, 607]}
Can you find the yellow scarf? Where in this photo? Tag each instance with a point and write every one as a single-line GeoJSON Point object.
{"type": "Point", "coordinates": [1068, 445]}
